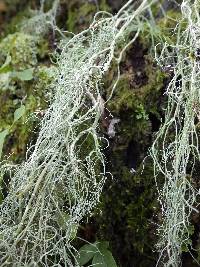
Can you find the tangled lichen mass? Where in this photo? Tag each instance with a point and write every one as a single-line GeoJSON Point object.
{"type": "Point", "coordinates": [54, 183]}
{"type": "Point", "coordinates": [95, 125]}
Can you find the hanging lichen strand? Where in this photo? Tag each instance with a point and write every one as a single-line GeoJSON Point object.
{"type": "Point", "coordinates": [62, 178]}
{"type": "Point", "coordinates": [176, 146]}
{"type": "Point", "coordinates": [41, 22]}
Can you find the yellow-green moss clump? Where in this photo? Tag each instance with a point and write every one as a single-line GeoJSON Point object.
{"type": "Point", "coordinates": [33, 95]}
{"type": "Point", "coordinates": [22, 48]}
{"type": "Point", "coordinates": [22, 82]}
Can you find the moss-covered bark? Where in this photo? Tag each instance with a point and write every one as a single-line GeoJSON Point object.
{"type": "Point", "coordinates": [128, 210]}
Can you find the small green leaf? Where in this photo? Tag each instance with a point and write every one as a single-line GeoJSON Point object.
{"type": "Point", "coordinates": [19, 113]}
{"type": "Point", "coordinates": [25, 75]}
{"type": "Point", "coordinates": [3, 135]}
{"type": "Point", "coordinates": [98, 253]}
{"type": "Point", "coordinates": [86, 253]}
{"type": "Point", "coordinates": [108, 259]}
{"type": "Point", "coordinates": [104, 257]}
{"type": "Point", "coordinates": [5, 67]}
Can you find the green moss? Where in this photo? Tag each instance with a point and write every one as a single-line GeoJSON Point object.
{"type": "Point", "coordinates": [15, 22]}
{"type": "Point", "coordinates": [15, 6]}
{"type": "Point", "coordinates": [33, 94]}
{"type": "Point", "coordinates": [137, 94]}
{"type": "Point", "coordinates": [22, 48]}
{"type": "Point", "coordinates": [127, 209]}
{"type": "Point", "coordinates": [129, 200]}
{"type": "Point", "coordinates": [162, 29]}
{"type": "Point", "coordinates": [71, 21]}
{"type": "Point", "coordinates": [6, 110]}
{"type": "Point", "coordinates": [43, 78]}
{"type": "Point", "coordinates": [168, 24]}
{"type": "Point", "coordinates": [81, 13]}
{"type": "Point", "coordinates": [80, 17]}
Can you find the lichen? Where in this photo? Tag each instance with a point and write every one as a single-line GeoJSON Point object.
{"type": "Point", "coordinates": [125, 216]}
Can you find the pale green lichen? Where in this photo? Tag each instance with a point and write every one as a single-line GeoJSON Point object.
{"type": "Point", "coordinates": [54, 161]}
{"type": "Point", "coordinates": [175, 157]}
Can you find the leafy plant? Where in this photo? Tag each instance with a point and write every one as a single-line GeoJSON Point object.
{"type": "Point", "coordinates": [25, 75]}
{"type": "Point", "coordinates": [98, 254]}
{"type": "Point", "coordinates": [19, 113]}
{"type": "Point", "coordinates": [7, 74]}
{"type": "Point", "coordinates": [141, 113]}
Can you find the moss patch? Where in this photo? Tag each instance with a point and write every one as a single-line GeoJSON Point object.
{"type": "Point", "coordinates": [127, 214]}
